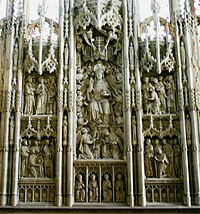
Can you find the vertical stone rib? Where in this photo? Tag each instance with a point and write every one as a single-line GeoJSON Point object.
{"type": "Point", "coordinates": [185, 170]}
{"type": "Point", "coordinates": [15, 196]}
{"type": "Point", "coordinates": [140, 151]}
{"type": "Point", "coordinates": [193, 112]}
{"type": "Point", "coordinates": [127, 109]}
{"type": "Point", "coordinates": [6, 113]}
{"type": "Point", "coordinates": [60, 111]}
{"type": "Point", "coordinates": [71, 120]}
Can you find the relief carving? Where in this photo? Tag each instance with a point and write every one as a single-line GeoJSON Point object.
{"type": "Point", "coordinates": [37, 158]}
{"type": "Point", "coordinates": [162, 158]}
{"type": "Point", "coordinates": [40, 97]}
{"type": "Point", "coordinates": [99, 102]}
{"type": "Point", "coordinates": [159, 95]}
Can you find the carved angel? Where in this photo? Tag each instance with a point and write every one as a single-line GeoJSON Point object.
{"type": "Point", "coordinates": [84, 139]}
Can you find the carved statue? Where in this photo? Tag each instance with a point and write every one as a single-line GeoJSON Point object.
{"type": "Point", "coordinates": [51, 101]}
{"type": "Point", "coordinates": [29, 96]}
{"type": "Point", "coordinates": [112, 145]}
{"type": "Point", "coordinates": [41, 97]}
{"type": "Point", "coordinates": [107, 189]}
{"type": "Point", "coordinates": [48, 160]}
{"type": "Point", "coordinates": [160, 88]}
{"type": "Point", "coordinates": [167, 149]}
{"type": "Point", "coordinates": [177, 153]}
{"type": "Point", "coordinates": [24, 156]}
{"type": "Point", "coordinates": [65, 131]}
{"type": "Point", "coordinates": [98, 94]}
{"type": "Point", "coordinates": [35, 162]}
{"type": "Point", "coordinates": [148, 158]}
{"type": "Point", "coordinates": [84, 147]}
{"type": "Point", "coordinates": [134, 131]}
{"type": "Point", "coordinates": [80, 189]}
{"type": "Point", "coordinates": [162, 163]}
{"type": "Point", "coordinates": [119, 186]}
{"type": "Point", "coordinates": [170, 90]}
{"type": "Point", "coordinates": [188, 130]}
{"type": "Point", "coordinates": [145, 88]}
{"type": "Point", "coordinates": [154, 105]}
{"type": "Point", "coordinates": [93, 188]}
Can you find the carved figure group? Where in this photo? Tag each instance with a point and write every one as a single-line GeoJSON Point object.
{"type": "Point", "coordinates": [104, 144]}
{"type": "Point", "coordinates": [37, 159]}
{"type": "Point", "coordinates": [40, 98]}
{"type": "Point", "coordinates": [162, 158]}
{"type": "Point", "coordinates": [159, 95]}
{"type": "Point", "coordinates": [92, 189]}
{"type": "Point", "coordinates": [99, 89]}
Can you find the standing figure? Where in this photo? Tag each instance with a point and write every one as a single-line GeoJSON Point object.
{"type": "Point", "coordinates": [24, 156]}
{"type": "Point", "coordinates": [80, 189]}
{"type": "Point", "coordinates": [170, 88]}
{"type": "Point", "coordinates": [177, 155]}
{"type": "Point", "coordinates": [29, 97]}
{"type": "Point", "coordinates": [65, 131]}
{"type": "Point", "coordinates": [160, 88]}
{"type": "Point", "coordinates": [154, 99]}
{"type": "Point", "coordinates": [145, 89]}
{"type": "Point", "coordinates": [167, 149]}
{"type": "Point", "coordinates": [119, 186]}
{"type": "Point", "coordinates": [93, 188]}
{"type": "Point", "coordinates": [148, 158]}
{"type": "Point", "coordinates": [188, 130]}
{"type": "Point", "coordinates": [41, 97]}
{"type": "Point", "coordinates": [98, 94]}
{"type": "Point", "coordinates": [48, 160]}
{"type": "Point", "coordinates": [51, 98]}
{"type": "Point", "coordinates": [107, 189]}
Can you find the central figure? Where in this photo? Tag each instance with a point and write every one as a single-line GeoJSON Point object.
{"type": "Point", "coordinates": [97, 95]}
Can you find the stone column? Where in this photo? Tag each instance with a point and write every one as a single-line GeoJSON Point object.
{"type": "Point", "coordinates": [6, 109]}
{"type": "Point", "coordinates": [193, 112]}
{"type": "Point", "coordinates": [140, 140]}
{"type": "Point", "coordinates": [71, 118]}
{"type": "Point", "coordinates": [58, 166]}
{"type": "Point", "coordinates": [185, 169]}
{"type": "Point", "coordinates": [127, 110]}
{"type": "Point", "coordinates": [16, 153]}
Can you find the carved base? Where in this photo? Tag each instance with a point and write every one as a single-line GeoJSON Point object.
{"type": "Point", "coordinates": [3, 200]}
{"type": "Point", "coordinates": [14, 200]}
{"type": "Point", "coordinates": [58, 200]}
{"type": "Point", "coordinates": [197, 199]}
{"type": "Point", "coordinates": [130, 200]}
{"type": "Point", "coordinates": [187, 200]}
{"type": "Point", "coordinates": [70, 200]}
{"type": "Point", "coordinates": [142, 200]}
